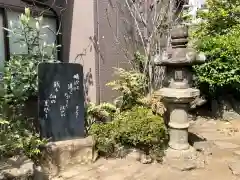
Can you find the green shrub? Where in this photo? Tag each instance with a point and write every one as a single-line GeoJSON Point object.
{"type": "Point", "coordinates": [218, 36]}
{"type": "Point", "coordinates": [137, 127]}
{"type": "Point", "coordinates": [223, 52]}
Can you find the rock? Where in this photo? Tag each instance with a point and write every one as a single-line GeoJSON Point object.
{"type": "Point", "coordinates": [146, 159]}
{"type": "Point", "coordinates": [39, 173]}
{"type": "Point", "coordinates": [134, 154]}
{"type": "Point", "coordinates": [182, 164]}
{"type": "Point", "coordinates": [203, 146]}
{"type": "Point", "coordinates": [235, 168]}
{"type": "Point", "coordinates": [23, 171]}
{"type": "Point", "coordinates": [226, 107]}
{"type": "Point", "coordinates": [121, 152]}
{"type": "Point", "coordinates": [226, 145]}
{"type": "Point", "coordinates": [199, 101]}
{"type": "Point", "coordinates": [200, 162]}
{"type": "Point", "coordinates": [65, 154]}
{"type": "Point", "coordinates": [138, 155]}
{"type": "Point", "coordinates": [17, 161]}
{"type": "Point", "coordinates": [237, 153]}
{"type": "Point", "coordinates": [230, 115]}
{"type": "Point", "coordinates": [58, 178]}
{"type": "Point", "coordinates": [1, 176]}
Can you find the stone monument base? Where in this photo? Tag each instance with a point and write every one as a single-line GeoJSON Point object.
{"type": "Point", "coordinates": [62, 155]}
{"type": "Point", "coordinates": [190, 153]}
{"type": "Point", "coordinates": [183, 160]}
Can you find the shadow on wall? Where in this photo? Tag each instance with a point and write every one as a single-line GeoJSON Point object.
{"type": "Point", "coordinates": [87, 83]}
{"type": "Point", "coordinates": [88, 76]}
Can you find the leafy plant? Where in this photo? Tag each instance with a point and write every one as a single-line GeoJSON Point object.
{"type": "Point", "coordinates": [20, 75]}
{"type": "Point", "coordinates": [154, 101]}
{"type": "Point", "coordinates": [138, 62]}
{"type": "Point", "coordinates": [137, 127]}
{"type": "Point", "coordinates": [98, 113]}
{"type": "Point", "coordinates": [32, 145]}
{"type": "Point", "coordinates": [218, 36]}
{"type": "Point", "coordinates": [17, 134]}
{"type": "Point", "coordinates": [131, 85]}
{"type": "Point", "coordinates": [218, 17]}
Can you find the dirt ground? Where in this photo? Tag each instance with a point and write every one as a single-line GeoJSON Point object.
{"type": "Point", "coordinates": [222, 163]}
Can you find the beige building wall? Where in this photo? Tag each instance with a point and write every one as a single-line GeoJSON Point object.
{"type": "Point", "coordinates": [89, 21]}
{"type": "Point", "coordinates": [81, 48]}
{"type": "Point", "coordinates": [110, 27]}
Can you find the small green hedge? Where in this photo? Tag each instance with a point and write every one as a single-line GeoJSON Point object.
{"type": "Point", "coordinates": [137, 127]}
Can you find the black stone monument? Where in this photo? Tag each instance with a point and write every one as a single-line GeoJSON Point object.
{"type": "Point", "coordinates": [61, 100]}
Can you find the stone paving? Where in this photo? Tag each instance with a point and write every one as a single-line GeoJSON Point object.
{"type": "Point", "coordinates": [222, 163]}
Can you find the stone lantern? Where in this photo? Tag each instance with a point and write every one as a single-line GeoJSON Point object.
{"type": "Point", "coordinates": [178, 92]}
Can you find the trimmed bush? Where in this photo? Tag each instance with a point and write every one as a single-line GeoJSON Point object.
{"type": "Point", "coordinates": [137, 127]}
